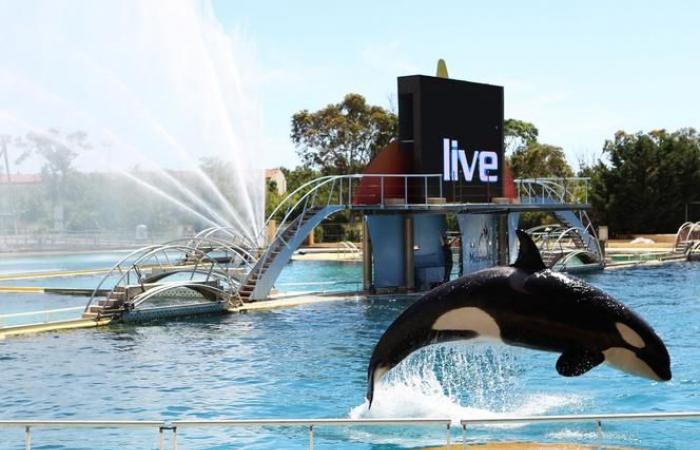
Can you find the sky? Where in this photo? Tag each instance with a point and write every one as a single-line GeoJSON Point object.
{"type": "Point", "coordinates": [579, 70]}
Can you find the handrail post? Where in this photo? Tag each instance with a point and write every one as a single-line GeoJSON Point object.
{"type": "Point", "coordinates": [381, 190]}
{"type": "Point", "coordinates": [449, 437]}
{"type": "Point", "coordinates": [161, 438]}
{"type": "Point", "coordinates": [440, 184]}
{"type": "Point", "coordinates": [405, 191]}
{"type": "Point", "coordinates": [311, 437]}
{"type": "Point", "coordinates": [464, 436]}
{"type": "Point", "coordinates": [174, 438]}
{"type": "Point", "coordinates": [27, 438]}
{"type": "Point", "coordinates": [426, 190]}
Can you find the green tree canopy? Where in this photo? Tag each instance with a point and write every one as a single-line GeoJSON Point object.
{"type": "Point", "coordinates": [649, 178]}
{"type": "Point", "coordinates": [539, 160]}
{"type": "Point", "coordinates": [529, 158]}
{"type": "Point", "coordinates": [518, 133]}
{"type": "Point", "coordinates": [343, 137]}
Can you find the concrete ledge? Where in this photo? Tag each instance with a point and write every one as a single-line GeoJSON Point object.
{"type": "Point", "coordinates": [51, 326]}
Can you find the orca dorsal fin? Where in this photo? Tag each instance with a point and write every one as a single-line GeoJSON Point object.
{"type": "Point", "coordinates": [529, 258]}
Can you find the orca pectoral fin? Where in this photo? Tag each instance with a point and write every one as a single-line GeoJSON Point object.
{"type": "Point", "coordinates": [573, 363]}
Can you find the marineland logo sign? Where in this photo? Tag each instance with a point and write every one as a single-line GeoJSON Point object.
{"type": "Point", "coordinates": [479, 163]}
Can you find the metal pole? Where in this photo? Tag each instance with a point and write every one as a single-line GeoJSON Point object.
{"type": "Point", "coordinates": [161, 440]}
{"type": "Point", "coordinates": [174, 438]}
{"type": "Point", "coordinates": [449, 437]}
{"type": "Point", "coordinates": [366, 255]}
{"type": "Point", "coordinates": [27, 438]}
{"type": "Point", "coordinates": [311, 437]}
{"type": "Point", "coordinates": [381, 190]}
{"type": "Point", "coordinates": [405, 190]}
{"type": "Point", "coordinates": [440, 184]}
{"type": "Point", "coordinates": [464, 436]}
{"type": "Point", "coordinates": [409, 268]}
{"type": "Point", "coordinates": [426, 190]}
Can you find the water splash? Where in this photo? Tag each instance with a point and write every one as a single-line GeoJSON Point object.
{"type": "Point", "coordinates": [151, 85]}
{"type": "Point", "coordinates": [460, 381]}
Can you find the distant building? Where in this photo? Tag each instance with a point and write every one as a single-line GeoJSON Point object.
{"type": "Point", "coordinates": [277, 177]}
{"type": "Point", "coordinates": [21, 178]}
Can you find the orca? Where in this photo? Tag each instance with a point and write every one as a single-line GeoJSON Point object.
{"type": "Point", "coordinates": [526, 305]}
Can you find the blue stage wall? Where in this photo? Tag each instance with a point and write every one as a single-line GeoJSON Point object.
{"type": "Point", "coordinates": [429, 258]}
{"type": "Point", "coordinates": [387, 235]}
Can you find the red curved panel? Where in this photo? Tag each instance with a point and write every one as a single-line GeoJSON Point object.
{"type": "Point", "coordinates": [509, 189]}
{"type": "Point", "coordinates": [390, 160]}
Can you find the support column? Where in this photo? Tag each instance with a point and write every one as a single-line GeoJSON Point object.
{"type": "Point", "coordinates": [502, 239]}
{"type": "Point", "coordinates": [366, 256]}
{"type": "Point", "coordinates": [409, 271]}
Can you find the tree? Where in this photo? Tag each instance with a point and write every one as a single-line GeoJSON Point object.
{"type": "Point", "coordinates": [518, 134]}
{"type": "Point", "coordinates": [343, 137]}
{"type": "Point", "coordinates": [58, 151]}
{"type": "Point", "coordinates": [539, 160]}
{"type": "Point", "coordinates": [648, 180]}
{"type": "Point", "coordinates": [532, 159]}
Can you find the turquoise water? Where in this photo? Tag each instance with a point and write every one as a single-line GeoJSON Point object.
{"type": "Point", "coordinates": [311, 362]}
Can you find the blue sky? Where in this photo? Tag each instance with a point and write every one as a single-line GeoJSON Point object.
{"type": "Point", "coordinates": [578, 70]}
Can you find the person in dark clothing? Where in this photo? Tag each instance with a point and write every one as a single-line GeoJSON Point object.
{"type": "Point", "coordinates": [461, 258]}
{"type": "Point", "coordinates": [447, 256]}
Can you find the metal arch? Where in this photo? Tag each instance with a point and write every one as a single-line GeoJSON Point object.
{"type": "Point", "coordinates": [567, 232]}
{"type": "Point", "coordinates": [681, 229]}
{"type": "Point", "coordinates": [303, 199]}
{"type": "Point", "coordinates": [230, 231]}
{"type": "Point", "coordinates": [198, 287]}
{"type": "Point", "coordinates": [537, 229]}
{"type": "Point", "coordinates": [117, 266]}
{"type": "Point", "coordinates": [246, 256]}
{"type": "Point", "coordinates": [291, 195]}
{"type": "Point", "coordinates": [686, 233]}
{"type": "Point", "coordinates": [149, 251]}
{"type": "Point", "coordinates": [194, 243]}
{"type": "Point", "coordinates": [695, 228]}
{"type": "Point", "coordinates": [564, 260]}
{"type": "Point", "coordinates": [167, 273]}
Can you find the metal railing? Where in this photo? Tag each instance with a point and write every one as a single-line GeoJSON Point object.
{"type": "Point", "coordinates": [170, 257]}
{"type": "Point", "coordinates": [313, 424]}
{"type": "Point", "coordinates": [563, 190]}
{"type": "Point", "coordinates": [686, 236]}
{"type": "Point", "coordinates": [404, 189]}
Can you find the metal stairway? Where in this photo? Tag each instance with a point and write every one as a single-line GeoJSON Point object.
{"type": "Point", "coordinates": [175, 270]}
{"type": "Point", "coordinates": [260, 280]}
{"type": "Point", "coordinates": [576, 231]}
{"type": "Point", "coordinates": [687, 236]}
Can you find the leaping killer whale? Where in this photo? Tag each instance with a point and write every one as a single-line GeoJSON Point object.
{"type": "Point", "coordinates": [526, 305]}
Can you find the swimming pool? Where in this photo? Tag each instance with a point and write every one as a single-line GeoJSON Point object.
{"type": "Point", "coordinates": [310, 362]}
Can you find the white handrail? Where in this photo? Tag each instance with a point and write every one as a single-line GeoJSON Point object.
{"type": "Point", "coordinates": [557, 188]}
{"type": "Point", "coordinates": [311, 423]}
{"type": "Point", "coordinates": [583, 418]}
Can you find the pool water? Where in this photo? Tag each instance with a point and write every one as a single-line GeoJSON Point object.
{"type": "Point", "coordinates": [310, 362]}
